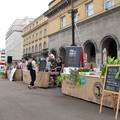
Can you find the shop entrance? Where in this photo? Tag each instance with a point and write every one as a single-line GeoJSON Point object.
{"type": "Point", "coordinates": [109, 48]}
{"type": "Point", "coordinates": [90, 51]}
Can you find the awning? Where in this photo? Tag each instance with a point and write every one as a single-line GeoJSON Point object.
{"type": "Point", "coordinates": [2, 62]}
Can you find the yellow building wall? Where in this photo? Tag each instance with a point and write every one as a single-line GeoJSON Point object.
{"type": "Point", "coordinates": [54, 21]}
{"type": "Point", "coordinates": [98, 6]}
{"type": "Point", "coordinates": [53, 26]}
{"type": "Point", "coordinates": [118, 2]}
{"type": "Point", "coordinates": [54, 3]}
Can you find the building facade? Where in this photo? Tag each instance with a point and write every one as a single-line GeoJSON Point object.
{"type": "Point", "coordinates": [35, 38]}
{"type": "Point", "coordinates": [2, 55]}
{"type": "Point", "coordinates": [97, 24]}
{"type": "Point", "coordinates": [14, 40]}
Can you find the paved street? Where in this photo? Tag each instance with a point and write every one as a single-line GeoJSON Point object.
{"type": "Point", "coordinates": [17, 102]}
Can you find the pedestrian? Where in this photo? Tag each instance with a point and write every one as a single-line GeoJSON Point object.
{"type": "Point", "coordinates": [60, 65]}
{"type": "Point", "coordinates": [48, 64]}
{"type": "Point", "coordinates": [32, 68]}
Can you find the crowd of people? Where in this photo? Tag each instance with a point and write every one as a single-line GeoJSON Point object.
{"type": "Point", "coordinates": [52, 64]}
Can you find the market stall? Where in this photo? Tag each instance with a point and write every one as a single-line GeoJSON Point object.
{"type": "Point", "coordinates": [91, 90]}
{"type": "Point", "coordinates": [42, 78]}
{"type": "Point", "coordinates": [89, 85]}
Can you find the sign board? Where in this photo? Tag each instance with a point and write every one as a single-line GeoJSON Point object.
{"type": "Point", "coordinates": [112, 86]}
{"type": "Point", "coordinates": [72, 58]}
{"type": "Point", "coordinates": [111, 83]}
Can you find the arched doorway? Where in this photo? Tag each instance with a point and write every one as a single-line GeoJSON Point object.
{"type": "Point", "coordinates": [54, 52]}
{"type": "Point", "coordinates": [62, 53]}
{"type": "Point", "coordinates": [89, 49]}
{"type": "Point", "coordinates": [109, 48]}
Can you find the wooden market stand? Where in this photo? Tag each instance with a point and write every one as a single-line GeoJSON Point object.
{"type": "Point", "coordinates": [42, 78]}
{"type": "Point", "coordinates": [91, 91]}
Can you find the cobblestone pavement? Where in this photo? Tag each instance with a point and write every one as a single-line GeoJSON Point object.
{"type": "Point", "coordinates": [17, 102]}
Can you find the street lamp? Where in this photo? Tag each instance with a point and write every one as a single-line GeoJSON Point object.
{"type": "Point", "coordinates": [73, 23]}
{"type": "Point", "coordinates": [73, 11]}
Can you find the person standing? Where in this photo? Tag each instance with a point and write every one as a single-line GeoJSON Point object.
{"type": "Point", "coordinates": [32, 68]}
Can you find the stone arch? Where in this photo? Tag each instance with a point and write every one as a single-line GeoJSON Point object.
{"type": "Point", "coordinates": [112, 36]}
{"type": "Point", "coordinates": [90, 48]}
{"type": "Point", "coordinates": [109, 47]}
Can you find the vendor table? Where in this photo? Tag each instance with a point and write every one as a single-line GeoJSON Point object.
{"type": "Point", "coordinates": [90, 91]}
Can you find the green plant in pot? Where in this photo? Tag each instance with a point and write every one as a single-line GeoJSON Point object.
{"type": "Point", "coordinates": [60, 79]}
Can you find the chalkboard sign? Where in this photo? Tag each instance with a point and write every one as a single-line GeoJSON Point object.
{"type": "Point", "coordinates": [72, 58]}
{"type": "Point", "coordinates": [111, 83]}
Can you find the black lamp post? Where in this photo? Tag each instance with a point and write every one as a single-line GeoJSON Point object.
{"type": "Point", "coordinates": [73, 11]}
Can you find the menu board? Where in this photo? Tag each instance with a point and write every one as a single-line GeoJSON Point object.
{"type": "Point", "coordinates": [72, 58]}
{"type": "Point", "coordinates": [111, 83]}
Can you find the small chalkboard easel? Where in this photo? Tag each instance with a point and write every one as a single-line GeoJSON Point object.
{"type": "Point", "coordinates": [112, 87]}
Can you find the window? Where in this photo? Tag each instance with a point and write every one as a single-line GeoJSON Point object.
{"type": "Point", "coordinates": [44, 45]}
{"type": "Point", "coordinates": [36, 23]}
{"type": "Point", "coordinates": [36, 34]}
{"type": "Point", "coordinates": [24, 50]}
{"type": "Point", "coordinates": [40, 34]}
{"type": "Point", "coordinates": [33, 25]}
{"type": "Point", "coordinates": [36, 48]}
{"type": "Point", "coordinates": [33, 36]}
{"type": "Point", "coordinates": [32, 48]}
{"type": "Point", "coordinates": [40, 47]}
{"type": "Point", "coordinates": [89, 9]}
{"type": "Point", "coordinates": [45, 32]}
{"type": "Point", "coordinates": [62, 22]}
{"type": "Point", "coordinates": [108, 3]}
{"type": "Point", "coordinates": [29, 49]}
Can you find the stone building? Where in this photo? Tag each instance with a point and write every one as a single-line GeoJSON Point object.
{"type": "Point", "coordinates": [97, 27]}
{"type": "Point", "coordinates": [35, 38]}
{"type": "Point", "coordinates": [14, 40]}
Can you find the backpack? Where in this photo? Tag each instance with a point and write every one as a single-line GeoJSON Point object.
{"type": "Point", "coordinates": [29, 66]}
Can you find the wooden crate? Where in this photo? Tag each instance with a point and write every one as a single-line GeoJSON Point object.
{"type": "Point", "coordinates": [42, 78]}
{"type": "Point", "coordinates": [18, 76]}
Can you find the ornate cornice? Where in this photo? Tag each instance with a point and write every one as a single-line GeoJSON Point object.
{"type": "Point", "coordinates": [62, 4]}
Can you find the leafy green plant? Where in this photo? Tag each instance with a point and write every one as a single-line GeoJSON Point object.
{"type": "Point", "coordinates": [117, 74]}
{"type": "Point", "coordinates": [110, 61]}
{"type": "Point", "coordinates": [60, 79]}
{"type": "Point", "coordinates": [75, 77]}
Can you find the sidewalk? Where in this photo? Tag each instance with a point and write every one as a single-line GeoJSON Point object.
{"type": "Point", "coordinates": [17, 102]}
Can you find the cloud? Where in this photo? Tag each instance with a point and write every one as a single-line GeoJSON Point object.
{"type": "Point", "coordinates": [13, 9]}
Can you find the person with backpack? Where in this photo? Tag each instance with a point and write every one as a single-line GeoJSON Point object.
{"type": "Point", "coordinates": [32, 68]}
